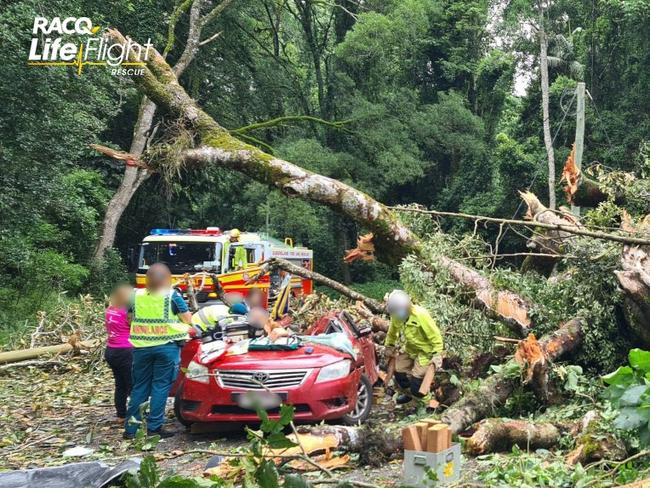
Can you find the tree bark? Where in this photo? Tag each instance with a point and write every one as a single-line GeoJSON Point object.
{"type": "Point", "coordinates": [497, 434]}
{"type": "Point", "coordinates": [496, 389]}
{"type": "Point", "coordinates": [131, 181]}
{"type": "Point", "coordinates": [548, 242]}
{"type": "Point", "coordinates": [634, 278]}
{"type": "Point", "coordinates": [546, 123]}
{"type": "Point", "coordinates": [503, 305]}
{"type": "Point", "coordinates": [23, 354]}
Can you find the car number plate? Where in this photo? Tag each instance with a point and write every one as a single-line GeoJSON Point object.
{"type": "Point", "coordinates": [266, 400]}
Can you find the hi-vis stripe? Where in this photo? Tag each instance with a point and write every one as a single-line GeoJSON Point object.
{"type": "Point", "coordinates": [281, 306]}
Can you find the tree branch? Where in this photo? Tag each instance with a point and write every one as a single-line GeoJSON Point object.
{"type": "Point", "coordinates": [290, 118]}
{"type": "Point", "coordinates": [569, 229]}
{"type": "Point", "coordinates": [294, 269]}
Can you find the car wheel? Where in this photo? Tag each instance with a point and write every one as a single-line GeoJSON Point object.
{"type": "Point", "coordinates": [177, 407]}
{"type": "Point", "coordinates": [361, 410]}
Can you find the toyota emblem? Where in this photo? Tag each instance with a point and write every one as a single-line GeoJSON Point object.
{"type": "Point", "coordinates": [260, 377]}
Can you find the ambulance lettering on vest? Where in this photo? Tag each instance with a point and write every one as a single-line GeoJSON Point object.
{"type": "Point", "coordinates": [154, 322]}
{"type": "Point", "coordinates": [73, 41]}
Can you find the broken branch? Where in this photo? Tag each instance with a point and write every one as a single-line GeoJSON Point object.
{"type": "Point", "coordinates": [496, 389]}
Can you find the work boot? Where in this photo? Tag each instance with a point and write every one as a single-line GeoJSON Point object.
{"type": "Point", "coordinates": [164, 434]}
{"type": "Point", "coordinates": [403, 399]}
{"type": "Point", "coordinates": [128, 436]}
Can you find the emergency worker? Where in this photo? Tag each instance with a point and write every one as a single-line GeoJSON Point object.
{"type": "Point", "coordinates": [240, 259]}
{"type": "Point", "coordinates": [414, 340]}
{"type": "Point", "coordinates": [159, 327]}
{"type": "Point", "coordinates": [207, 317]}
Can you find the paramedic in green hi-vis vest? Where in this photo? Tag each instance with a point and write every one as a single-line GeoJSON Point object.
{"type": "Point", "coordinates": [159, 327]}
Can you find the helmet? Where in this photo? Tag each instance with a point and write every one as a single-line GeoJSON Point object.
{"type": "Point", "coordinates": [397, 301]}
{"type": "Point", "coordinates": [235, 233]}
{"type": "Point", "coordinates": [239, 309]}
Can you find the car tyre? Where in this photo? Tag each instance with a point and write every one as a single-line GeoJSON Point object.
{"type": "Point", "coordinates": [361, 411]}
{"type": "Point", "coordinates": [177, 407]}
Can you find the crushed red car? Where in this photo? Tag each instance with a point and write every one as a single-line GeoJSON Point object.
{"type": "Point", "coordinates": [218, 383]}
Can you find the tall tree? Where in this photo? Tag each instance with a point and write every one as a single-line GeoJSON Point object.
{"type": "Point", "coordinates": [144, 128]}
{"type": "Point", "coordinates": [546, 122]}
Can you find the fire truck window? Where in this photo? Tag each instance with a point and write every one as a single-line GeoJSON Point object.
{"type": "Point", "coordinates": [181, 257]}
{"type": "Point", "coordinates": [250, 257]}
{"type": "Point", "coordinates": [303, 263]}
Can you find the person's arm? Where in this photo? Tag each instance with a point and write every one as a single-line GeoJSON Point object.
{"type": "Point", "coordinates": [432, 338]}
{"type": "Point", "coordinates": [180, 308]}
{"type": "Point", "coordinates": [392, 334]}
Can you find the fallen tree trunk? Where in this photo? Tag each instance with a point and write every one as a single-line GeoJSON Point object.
{"type": "Point", "coordinates": [498, 434]}
{"type": "Point", "coordinates": [595, 442]}
{"type": "Point", "coordinates": [634, 278]}
{"type": "Point", "coordinates": [219, 147]}
{"type": "Point", "coordinates": [501, 304]}
{"type": "Point", "coordinates": [495, 390]}
{"type": "Point", "coordinates": [23, 354]}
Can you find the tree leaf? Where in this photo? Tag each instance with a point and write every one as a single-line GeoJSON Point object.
{"type": "Point", "coordinates": [295, 481]}
{"type": "Point", "coordinates": [286, 414]}
{"type": "Point", "coordinates": [632, 396]}
{"type": "Point", "coordinates": [630, 418]}
{"type": "Point", "coordinates": [623, 375]}
{"type": "Point", "coordinates": [640, 359]}
{"type": "Point", "coordinates": [278, 440]}
{"type": "Point", "coordinates": [267, 475]}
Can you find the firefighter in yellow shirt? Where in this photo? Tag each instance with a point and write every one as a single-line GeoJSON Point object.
{"type": "Point", "coordinates": [415, 341]}
{"type": "Point", "coordinates": [240, 259]}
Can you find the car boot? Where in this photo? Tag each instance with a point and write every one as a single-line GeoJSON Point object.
{"type": "Point", "coordinates": [164, 434]}
{"type": "Point", "coordinates": [403, 399]}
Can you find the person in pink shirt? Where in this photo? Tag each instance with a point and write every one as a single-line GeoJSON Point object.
{"type": "Point", "coordinates": [119, 351]}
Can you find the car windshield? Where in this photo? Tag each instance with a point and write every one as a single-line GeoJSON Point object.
{"type": "Point", "coordinates": [181, 257]}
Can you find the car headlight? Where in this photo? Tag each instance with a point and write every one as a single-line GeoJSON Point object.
{"type": "Point", "coordinates": [197, 372]}
{"type": "Point", "coordinates": [334, 371]}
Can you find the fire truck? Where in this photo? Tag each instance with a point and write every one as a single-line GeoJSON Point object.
{"type": "Point", "coordinates": [204, 253]}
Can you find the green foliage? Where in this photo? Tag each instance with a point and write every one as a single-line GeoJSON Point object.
{"type": "Point", "coordinates": [629, 391]}
{"type": "Point", "coordinates": [255, 467]}
{"type": "Point", "coordinates": [377, 289]}
{"type": "Point", "coordinates": [533, 470]}
{"type": "Point", "coordinates": [148, 476]}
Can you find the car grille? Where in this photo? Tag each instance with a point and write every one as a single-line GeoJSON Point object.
{"type": "Point", "coordinates": [261, 380]}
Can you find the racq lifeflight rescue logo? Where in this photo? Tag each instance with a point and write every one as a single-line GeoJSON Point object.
{"type": "Point", "coordinates": [49, 47]}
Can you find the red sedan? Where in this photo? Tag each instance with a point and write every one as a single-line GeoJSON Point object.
{"type": "Point", "coordinates": [217, 384]}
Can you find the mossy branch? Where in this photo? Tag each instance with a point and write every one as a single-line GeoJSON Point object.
{"type": "Point", "coordinates": [256, 141]}
{"type": "Point", "coordinates": [173, 20]}
{"type": "Point", "coordinates": [288, 119]}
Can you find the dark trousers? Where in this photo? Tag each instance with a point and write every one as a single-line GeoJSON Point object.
{"type": "Point", "coordinates": [120, 360]}
{"type": "Point", "coordinates": [154, 372]}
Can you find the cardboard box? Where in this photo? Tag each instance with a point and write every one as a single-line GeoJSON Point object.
{"type": "Point", "coordinates": [427, 469]}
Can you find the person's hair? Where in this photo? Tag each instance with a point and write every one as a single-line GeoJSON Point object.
{"type": "Point", "coordinates": [158, 276]}
{"type": "Point", "coordinates": [254, 291]}
{"type": "Point", "coordinates": [120, 296]}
